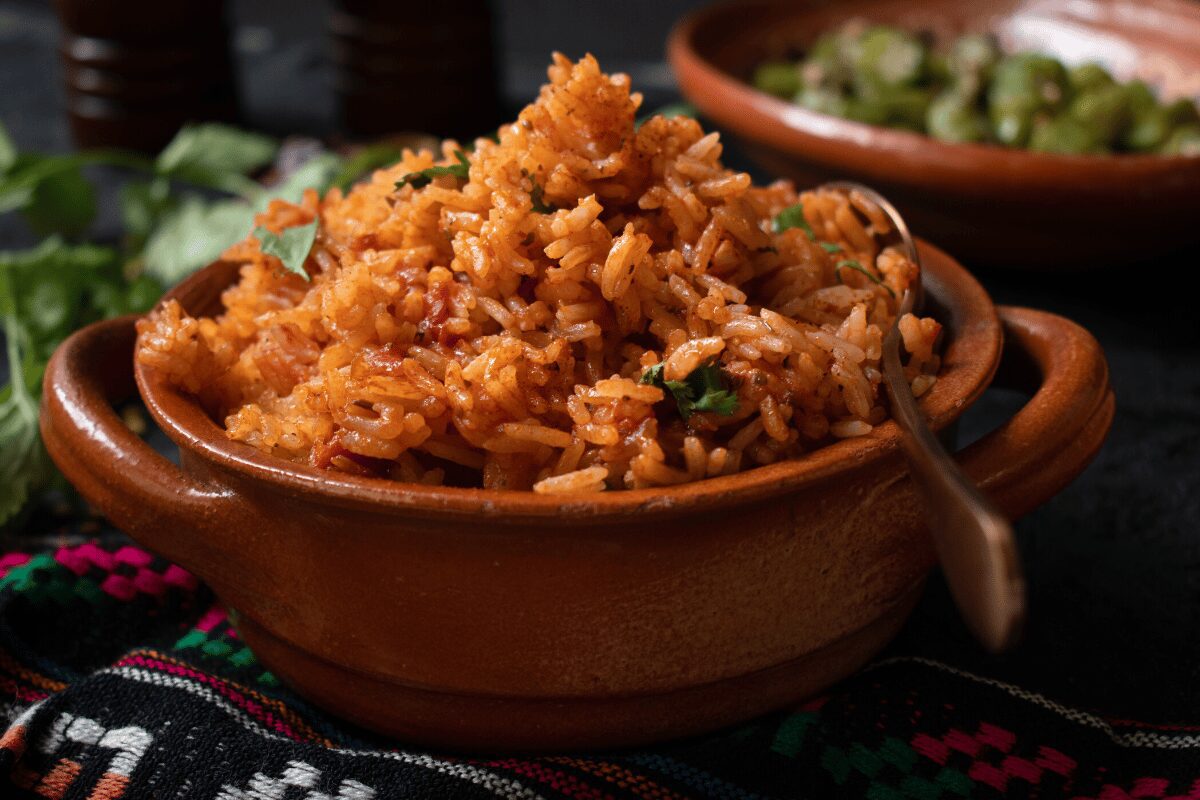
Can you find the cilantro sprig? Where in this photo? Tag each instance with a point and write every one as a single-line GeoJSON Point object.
{"type": "Point", "coordinates": [423, 178]}
{"type": "Point", "coordinates": [169, 229]}
{"type": "Point", "coordinates": [291, 246]}
{"type": "Point", "coordinates": [793, 217]}
{"type": "Point", "coordinates": [849, 263]}
{"type": "Point", "coordinates": [538, 199]}
{"type": "Point", "coordinates": [704, 389]}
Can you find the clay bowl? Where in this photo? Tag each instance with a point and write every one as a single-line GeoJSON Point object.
{"type": "Point", "coordinates": [987, 204]}
{"type": "Point", "coordinates": [475, 619]}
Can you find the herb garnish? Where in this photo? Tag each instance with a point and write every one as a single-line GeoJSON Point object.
{"type": "Point", "coordinates": [168, 231]}
{"type": "Point", "coordinates": [292, 246]}
{"type": "Point", "coordinates": [421, 179]}
{"type": "Point", "coordinates": [793, 217]}
{"type": "Point", "coordinates": [537, 197]}
{"type": "Point", "coordinates": [670, 110]}
{"type": "Point", "coordinates": [850, 263]}
{"type": "Point", "coordinates": [704, 389]}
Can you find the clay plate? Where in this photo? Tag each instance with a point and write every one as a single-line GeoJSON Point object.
{"type": "Point", "coordinates": [987, 204]}
{"type": "Point", "coordinates": [470, 619]}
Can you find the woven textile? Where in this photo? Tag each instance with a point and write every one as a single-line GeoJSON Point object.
{"type": "Point", "coordinates": [121, 677]}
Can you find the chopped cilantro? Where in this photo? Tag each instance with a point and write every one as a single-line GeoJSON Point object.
{"type": "Point", "coordinates": [704, 389]}
{"type": "Point", "coordinates": [793, 217]}
{"type": "Point", "coordinates": [850, 263]}
{"type": "Point", "coordinates": [537, 196]}
{"type": "Point", "coordinates": [292, 246]}
{"type": "Point", "coordinates": [420, 179]}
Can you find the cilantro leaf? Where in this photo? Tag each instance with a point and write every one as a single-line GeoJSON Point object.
{"type": "Point", "coordinates": [62, 203]}
{"type": "Point", "coordinates": [216, 155]}
{"type": "Point", "coordinates": [421, 179]}
{"type": "Point", "coordinates": [292, 246]}
{"type": "Point", "coordinates": [24, 466]}
{"type": "Point", "coordinates": [318, 172]}
{"type": "Point", "coordinates": [195, 233]}
{"type": "Point", "coordinates": [8, 150]}
{"type": "Point", "coordinates": [193, 236]}
{"type": "Point", "coordinates": [49, 290]}
{"type": "Point", "coordinates": [710, 391]}
{"type": "Point", "coordinates": [45, 292]}
{"type": "Point", "coordinates": [364, 162]}
{"type": "Point", "coordinates": [849, 263]}
{"type": "Point", "coordinates": [50, 191]}
{"type": "Point", "coordinates": [143, 206]}
{"type": "Point", "coordinates": [704, 389]}
{"type": "Point", "coordinates": [670, 110]}
{"type": "Point", "coordinates": [792, 217]}
{"type": "Point", "coordinates": [536, 195]}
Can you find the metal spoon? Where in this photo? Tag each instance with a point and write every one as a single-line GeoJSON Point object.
{"type": "Point", "coordinates": [974, 541]}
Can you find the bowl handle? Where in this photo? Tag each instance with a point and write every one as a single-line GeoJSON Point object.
{"type": "Point", "coordinates": [1034, 455]}
{"type": "Point", "coordinates": [135, 487]}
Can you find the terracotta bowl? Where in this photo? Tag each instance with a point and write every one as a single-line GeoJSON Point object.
{"type": "Point", "coordinates": [988, 204]}
{"type": "Point", "coordinates": [469, 619]}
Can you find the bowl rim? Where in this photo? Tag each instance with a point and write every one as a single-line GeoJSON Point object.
{"type": "Point", "coordinates": [971, 354]}
{"type": "Point", "coordinates": [737, 105]}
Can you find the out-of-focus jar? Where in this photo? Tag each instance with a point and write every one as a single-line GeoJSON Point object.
{"type": "Point", "coordinates": [135, 70]}
{"type": "Point", "coordinates": [405, 66]}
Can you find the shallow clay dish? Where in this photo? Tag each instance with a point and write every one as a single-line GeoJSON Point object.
{"type": "Point", "coordinates": [473, 618]}
{"type": "Point", "coordinates": [987, 204]}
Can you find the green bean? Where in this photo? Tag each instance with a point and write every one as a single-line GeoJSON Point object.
{"type": "Point", "coordinates": [826, 64]}
{"type": "Point", "coordinates": [825, 101]}
{"type": "Point", "coordinates": [1023, 85]}
{"type": "Point", "coordinates": [907, 107]}
{"type": "Point", "coordinates": [937, 65]}
{"type": "Point", "coordinates": [890, 57]}
{"type": "Point", "coordinates": [1029, 79]}
{"type": "Point", "coordinates": [970, 91]}
{"type": "Point", "coordinates": [869, 109]}
{"type": "Point", "coordinates": [1104, 111]}
{"type": "Point", "coordinates": [1064, 134]}
{"type": "Point", "coordinates": [954, 118]}
{"type": "Point", "coordinates": [1148, 130]}
{"type": "Point", "coordinates": [974, 54]}
{"type": "Point", "coordinates": [1183, 141]}
{"type": "Point", "coordinates": [1182, 112]}
{"type": "Point", "coordinates": [1141, 97]}
{"type": "Point", "coordinates": [779, 78]}
{"type": "Point", "coordinates": [1088, 77]}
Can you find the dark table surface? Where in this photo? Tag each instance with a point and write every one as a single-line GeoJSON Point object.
{"type": "Point", "coordinates": [1113, 562]}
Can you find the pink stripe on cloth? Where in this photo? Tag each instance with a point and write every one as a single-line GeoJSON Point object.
{"type": "Point", "coordinates": [179, 577]}
{"type": "Point", "coordinates": [133, 556]}
{"type": "Point", "coordinates": [211, 619]}
{"type": "Point", "coordinates": [70, 558]}
{"type": "Point", "coordinates": [559, 781]}
{"type": "Point", "coordinates": [10, 560]}
{"type": "Point", "coordinates": [97, 555]}
{"type": "Point", "coordinates": [248, 705]}
{"type": "Point", "coordinates": [119, 587]}
{"type": "Point", "coordinates": [149, 582]}
{"type": "Point", "coordinates": [21, 692]}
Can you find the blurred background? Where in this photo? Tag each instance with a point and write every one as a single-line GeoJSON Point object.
{"type": "Point", "coordinates": [286, 71]}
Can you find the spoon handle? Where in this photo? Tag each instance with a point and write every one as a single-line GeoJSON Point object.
{"type": "Point", "coordinates": [974, 542]}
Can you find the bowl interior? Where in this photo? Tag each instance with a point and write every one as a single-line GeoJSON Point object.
{"type": "Point", "coordinates": [970, 351]}
{"type": "Point", "coordinates": [1155, 41]}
